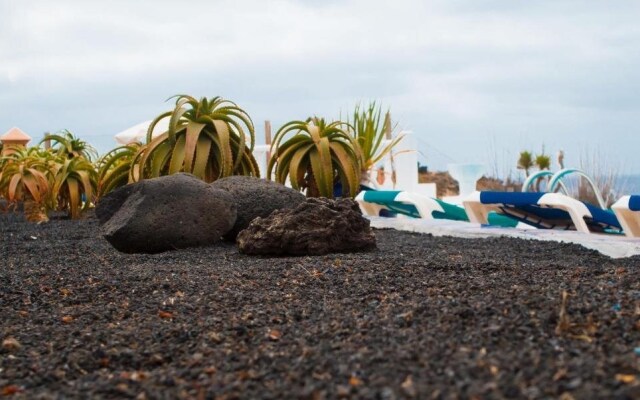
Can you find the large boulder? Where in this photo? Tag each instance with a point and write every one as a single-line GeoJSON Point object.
{"type": "Point", "coordinates": [111, 203]}
{"type": "Point", "coordinates": [256, 197]}
{"type": "Point", "coordinates": [315, 227]}
{"type": "Point", "coordinates": [166, 213]}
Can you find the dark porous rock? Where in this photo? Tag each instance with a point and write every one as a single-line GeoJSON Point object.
{"type": "Point", "coordinates": [111, 203]}
{"type": "Point", "coordinates": [315, 227]}
{"type": "Point", "coordinates": [166, 213]}
{"type": "Point", "coordinates": [256, 197]}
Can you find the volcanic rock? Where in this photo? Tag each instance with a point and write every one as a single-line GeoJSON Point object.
{"type": "Point", "coordinates": [166, 213]}
{"type": "Point", "coordinates": [255, 197]}
{"type": "Point", "coordinates": [111, 203]}
{"type": "Point", "coordinates": [314, 227]}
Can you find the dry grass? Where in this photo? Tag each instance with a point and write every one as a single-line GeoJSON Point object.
{"type": "Point", "coordinates": [605, 175]}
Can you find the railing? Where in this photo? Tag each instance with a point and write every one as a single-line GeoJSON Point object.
{"type": "Point", "coordinates": [555, 182]}
{"type": "Point", "coordinates": [557, 177]}
{"type": "Point", "coordinates": [539, 175]}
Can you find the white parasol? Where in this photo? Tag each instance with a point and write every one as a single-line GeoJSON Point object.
{"type": "Point", "coordinates": [138, 133]}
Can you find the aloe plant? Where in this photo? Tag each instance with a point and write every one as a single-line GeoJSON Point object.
{"type": "Point", "coordinates": [24, 178]}
{"type": "Point", "coordinates": [315, 156]}
{"type": "Point", "coordinates": [369, 130]}
{"type": "Point", "coordinates": [207, 138]}
{"type": "Point", "coordinates": [114, 168]}
{"type": "Point", "coordinates": [67, 145]}
{"type": "Point", "coordinates": [74, 185]}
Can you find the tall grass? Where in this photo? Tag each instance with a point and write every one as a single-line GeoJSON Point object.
{"type": "Point", "coordinates": [501, 166]}
{"type": "Point", "coordinates": [605, 173]}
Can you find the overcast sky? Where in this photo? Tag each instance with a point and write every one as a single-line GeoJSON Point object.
{"type": "Point", "coordinates": [475, 80]}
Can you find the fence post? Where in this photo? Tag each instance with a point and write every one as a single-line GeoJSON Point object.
{"type": "Point", "coordinates": [387, 134]}
{"type": "Point", "coordinates": [267, 136]}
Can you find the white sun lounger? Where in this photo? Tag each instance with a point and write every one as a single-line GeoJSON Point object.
{"type": "Point", "coordinates": [542, 210]}
{"type": "Point", "coordinates": [627, 209]}
{"type": "Point", "coordinates": [418, 206]}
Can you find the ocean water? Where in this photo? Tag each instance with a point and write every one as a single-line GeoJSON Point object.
{"type": "Point", "coordinates": [628, 184]}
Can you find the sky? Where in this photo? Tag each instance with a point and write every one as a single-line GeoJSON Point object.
{"type": "Point", "coordinates": [474, 80]}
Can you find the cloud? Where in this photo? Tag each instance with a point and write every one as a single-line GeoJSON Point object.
{"type": "Point", "coordinates": [458, 73]}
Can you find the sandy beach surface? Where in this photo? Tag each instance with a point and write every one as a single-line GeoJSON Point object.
{"type": "Point", "coordinates": [421, 317]}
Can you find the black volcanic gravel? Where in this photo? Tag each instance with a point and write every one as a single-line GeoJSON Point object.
{"type": "Point", "coordinates": [421, 317]}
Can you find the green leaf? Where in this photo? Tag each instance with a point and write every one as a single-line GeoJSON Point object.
{"type": "Point", "coordinates": [160, 158]}
{"type": "Point", "coordinates": [347, 168]}
{"type": "Point", "coordinates": [321, 181]}
{"type": "Point", "coordinates": [327, 164]}
{"type": "Point", "coordinates": [297, 167]}
{"type": "Point", "coordinates": [222, 130]}
{"type": "Point", "coordinates": [177, 156]}
{"type": "Point", "coordinates": [147, 151]}
{"type": "Point", "coordinates": [192, 135]}
{"type": "Point", "coordinates": [153, 124]}
{"type": "Point", "coordinates": [74, 197]}
{"type": "Point", "coordinates": [202, 156]}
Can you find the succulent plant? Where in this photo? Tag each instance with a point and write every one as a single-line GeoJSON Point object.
{"type": "Point", "coordinates": [114, 167]}
{"type": "Point", "coordinates": [315, 156]}
{"type": "Point", "coordinates": [207, 138]}
{"type": "Point", "coordinates": [74, 185]}
{"type": "Point", "coordinates": [67, 145]}
{"type": "Point", "coordinates": [24, 178]}
{"type": "Point", "coordinates": [369, 130]}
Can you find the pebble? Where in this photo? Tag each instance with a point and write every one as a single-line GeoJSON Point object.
{"type": "Point", "coordinates": [11, 344]}
{"type": "Point", "coordinates": [325, 323]}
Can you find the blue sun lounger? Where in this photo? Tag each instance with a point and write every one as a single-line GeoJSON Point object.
{"type": "Point", "coordinates": [415, 205]}
{"type": "Point", "coordinates": [542, 210]}
{"type": "Point", "coordinates": [627, 209]}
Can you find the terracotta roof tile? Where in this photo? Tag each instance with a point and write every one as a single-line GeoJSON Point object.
{"type": "Point", "coordinates": [15, 134]}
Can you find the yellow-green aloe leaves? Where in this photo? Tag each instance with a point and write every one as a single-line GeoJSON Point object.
{"type": "Point", "coordinates": [205, 138]}
{"type": "Point", "coordinates": [312, 153]}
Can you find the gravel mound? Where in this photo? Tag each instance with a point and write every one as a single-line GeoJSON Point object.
{"type": "Point", "coordinates": [421, 317]}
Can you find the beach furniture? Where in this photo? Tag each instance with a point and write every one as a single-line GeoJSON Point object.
{"type": "Point", "coordinates": [415, 205]}
{"type": "Point", "coordinates": [138, 133]}
{"type": "Point", "coordinates": [627, 209]}
{"type": "Point", "coordinates": [542, 210]}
